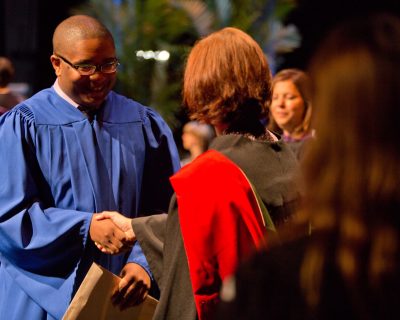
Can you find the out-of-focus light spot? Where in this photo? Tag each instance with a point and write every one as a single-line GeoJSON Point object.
{"type": "Point", "coordinates": [150, 54]}
{"type": "Point", "coordinates": [163, 55]}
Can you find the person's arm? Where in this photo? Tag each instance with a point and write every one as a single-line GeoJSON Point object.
{"type": "Point", "coordinates": [31, 229]}
{"type": "Point", "coordinates": [34, 234]}
{"type": "Point", "coordinates": [150, 233]}
{"type": "Point", "coordinates": [161, 162]}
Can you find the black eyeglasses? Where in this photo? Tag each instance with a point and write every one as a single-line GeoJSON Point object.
{"type": "Point", "coordinates": [89, 69]}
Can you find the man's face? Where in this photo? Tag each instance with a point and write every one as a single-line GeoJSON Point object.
{"type": "Point", "coordinates": [86, 90]}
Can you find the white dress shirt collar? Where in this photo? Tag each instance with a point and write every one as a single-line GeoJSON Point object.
{"type": "Point", "coordinates": [63, 95]}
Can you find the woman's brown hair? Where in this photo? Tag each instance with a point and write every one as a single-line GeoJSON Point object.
{"type": "Point", "coordinates": [227, 80]}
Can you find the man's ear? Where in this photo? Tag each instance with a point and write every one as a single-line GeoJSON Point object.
{"type": "Point", "coordinates": [56, 63]}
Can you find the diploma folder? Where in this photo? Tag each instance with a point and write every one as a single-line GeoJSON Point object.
{"type": "Point", "coordinates": [93, 300]}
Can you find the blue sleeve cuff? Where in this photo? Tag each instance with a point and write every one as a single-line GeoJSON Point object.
{"type": "Point", "coordinates": [137, 256]}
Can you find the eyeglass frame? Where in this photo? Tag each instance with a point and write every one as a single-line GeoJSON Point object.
{"type": "Point", "coordinates": [93, 71]}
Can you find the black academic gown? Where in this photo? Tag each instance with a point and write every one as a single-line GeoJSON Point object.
{"type": "Point", "coordinates": [270, 166]}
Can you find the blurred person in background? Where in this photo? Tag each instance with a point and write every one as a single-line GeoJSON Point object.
{"type": "Point", "coordinates": [196, 138]}
{"type": "Point", "coordinates": [8, 98]}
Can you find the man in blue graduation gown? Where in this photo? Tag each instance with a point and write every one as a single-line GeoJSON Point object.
{"type": "Point", "coordinates": [61, 166]}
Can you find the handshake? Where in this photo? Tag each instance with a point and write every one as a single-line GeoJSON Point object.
{"type": "Point", "coordinates": [112, 232]}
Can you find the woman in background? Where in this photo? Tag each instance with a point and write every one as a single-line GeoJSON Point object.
{"type": "Point", "coordinates": [349, 267]}
{"type": "Point", "coordinates": [290, 108]}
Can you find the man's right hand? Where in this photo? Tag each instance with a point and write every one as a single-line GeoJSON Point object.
{"type": "Point", "coordinates": [106, 233]}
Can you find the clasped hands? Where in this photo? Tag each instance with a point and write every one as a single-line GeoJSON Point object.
{"type": "Point", "coordinates": [112, 232]}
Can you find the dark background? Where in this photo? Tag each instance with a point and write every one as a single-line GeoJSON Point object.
{"type": "Point", "coordinates": [26, 28]}
{"type": "Point", "coordinates": [314, 18]}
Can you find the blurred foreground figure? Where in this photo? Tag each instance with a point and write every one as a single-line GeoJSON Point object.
{"type": "Point", "coordinates": [349, 267]}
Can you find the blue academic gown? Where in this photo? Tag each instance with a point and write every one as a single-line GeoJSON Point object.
{"type": "Point", "coordinates": [56, 169]}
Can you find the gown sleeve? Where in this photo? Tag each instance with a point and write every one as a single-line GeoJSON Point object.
{"type": "Point", "coordinates": [150, 233]}
{"type": "Point", "coordinates": [161, 162]}
{"type": "Point", "coordinates": [34, 235]}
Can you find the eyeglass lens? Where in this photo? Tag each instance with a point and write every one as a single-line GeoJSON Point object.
{"type": "Point", "coordinates": [109, 67]}
{"type": "Point", "coordinates": [89, 69]}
